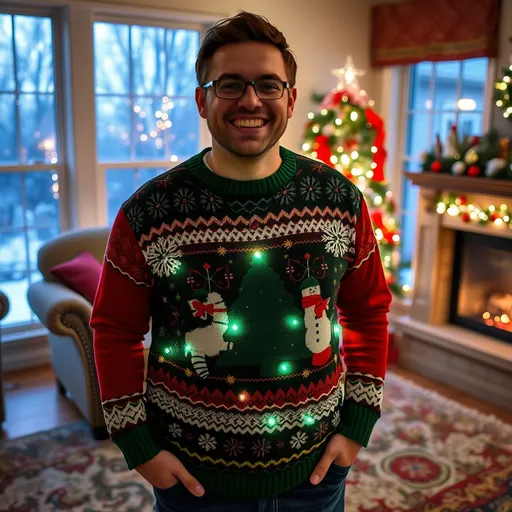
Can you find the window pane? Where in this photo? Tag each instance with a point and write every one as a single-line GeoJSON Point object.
{"type": "Point", "coordinates": [113, 128]}
{"type": "Point", "coordinates": [11, 205]}
{"type": "Point", "coordinates": [7, 82]}
{"type": "Point", "coordinates": [151, 123]}
{"type": "Point", "coordinates": [36, 239]}
{"type": "Point", "coordinates": [184, 136]}
{"type": "Point", "coordinates": [8, 150]}
{"type": "Point", "coordinates": [446, 85]}
{"type": "Point", "coordinates": [34, 53]}
{"type": "Point", "coordinates": [111, 58]}
{"type": "Point", "coordinates": [418, 135]}
{"type": "Point", "coordinates": [42, 194]}
{"type": "Point", "coordinates": [144, 175]}
{"type": "Point", "coordinates": [13, 256]}
{"type": "Point", "coordinates": [443, 122]}
{"type": "Point", "coordinates": [38, 130]}
{"type": "Point", "coordinates": [474, 75]}
{"type": "Point", "coordinates": [15, 287]}
{"type": "Point", "coordinates": [182, 48]}
{"type": "Point", "coordinates": [470, 124]}
{"type": "Point", "coordinates": [421, 86]}
{"type": "Point", "coordinates": [120, 186]}
{"type": "Point", "coordinates": [148, 58]}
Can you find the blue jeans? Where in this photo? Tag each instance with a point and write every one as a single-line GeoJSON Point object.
{"type": "Point", "coordinates": [327, 496]}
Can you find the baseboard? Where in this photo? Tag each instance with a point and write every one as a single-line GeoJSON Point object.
{"type": "Point", "coordinates": [25, 353]}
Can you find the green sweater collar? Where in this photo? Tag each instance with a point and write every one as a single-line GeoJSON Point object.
{"type": "Point", "coordinates": [261, 187]}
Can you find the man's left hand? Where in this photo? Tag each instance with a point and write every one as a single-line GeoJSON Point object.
{"type": "Point", "coordinates": [341, 451]}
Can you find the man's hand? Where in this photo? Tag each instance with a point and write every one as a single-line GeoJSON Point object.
{"type": "Point", "coordinates": [341, 451]}
{"type": "Point", "coordinates": [165, 470]}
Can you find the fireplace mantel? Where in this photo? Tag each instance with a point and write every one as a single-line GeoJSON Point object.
{"type": "Point", "coordinates": [461, 184]}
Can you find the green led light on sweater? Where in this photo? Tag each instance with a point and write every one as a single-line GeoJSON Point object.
{"type": "Point", "coordinates": [309, 420]}
{"type": "Point", "coordinates": [285, 368]}
{"type": "Point", "coordinates": [271, 421]}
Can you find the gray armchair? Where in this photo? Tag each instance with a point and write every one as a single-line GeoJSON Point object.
{"type": "Point", "coordinates": [4, 309]}
{"type": "Point", "coordinates": [66, 315]}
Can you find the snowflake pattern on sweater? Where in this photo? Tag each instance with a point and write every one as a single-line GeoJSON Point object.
{"type": "Point", "coordinates": [268, 309]}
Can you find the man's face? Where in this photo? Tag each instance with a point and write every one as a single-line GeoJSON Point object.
{"type": "Point", "coordinates": [225, 117]}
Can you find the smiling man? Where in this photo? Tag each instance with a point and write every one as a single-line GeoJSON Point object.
{"type": "Point", "coordinates": [261, 276]}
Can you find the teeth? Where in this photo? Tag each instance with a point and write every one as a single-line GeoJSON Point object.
{"type": "Point", "coordinates": [248, 123]}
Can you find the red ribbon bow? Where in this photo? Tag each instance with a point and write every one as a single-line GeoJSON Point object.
{"type": "Point", "coordinates": [202, 309]}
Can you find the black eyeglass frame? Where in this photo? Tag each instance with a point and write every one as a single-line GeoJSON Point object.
{"type": "Point", "coordinates": [213, 83]}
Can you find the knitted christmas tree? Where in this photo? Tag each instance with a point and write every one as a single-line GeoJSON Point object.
{"type": "Point", "coordinates": [262, 295]}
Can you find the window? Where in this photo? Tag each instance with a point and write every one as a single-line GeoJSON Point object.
{"type": "Point", "coordinates": [146, 117]}
{"type": "Point", "coordinates": [440, 95]}
{"type": "Point", "coordinates": [30, 163]}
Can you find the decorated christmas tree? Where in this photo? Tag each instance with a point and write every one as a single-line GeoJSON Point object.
{"type": "Point", "coordinates": [348, 135]}
{"type": "Point", "coordinates": [251, 337]}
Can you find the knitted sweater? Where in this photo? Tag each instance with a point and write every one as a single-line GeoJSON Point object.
{"type": "Point", "coordinates": [268, 311]}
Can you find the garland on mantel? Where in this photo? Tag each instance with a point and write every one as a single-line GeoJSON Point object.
{"type": "Point", "coordinates": [456, 205]}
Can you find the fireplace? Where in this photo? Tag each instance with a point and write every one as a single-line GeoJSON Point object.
{"type": "Point", "coordinates": [457, 327]}
{"type": "Point", "coordinates": [481, 298]}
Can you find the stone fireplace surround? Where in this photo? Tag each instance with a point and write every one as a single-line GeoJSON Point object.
{"type": "Point", "coordinates": [427, 342]}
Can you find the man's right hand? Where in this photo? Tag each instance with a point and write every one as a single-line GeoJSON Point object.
{"type": "Point", "coordinates": [165, 470]}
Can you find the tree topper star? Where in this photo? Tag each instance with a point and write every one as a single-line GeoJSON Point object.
{"type": "Point", "coordinates": [348, 74]}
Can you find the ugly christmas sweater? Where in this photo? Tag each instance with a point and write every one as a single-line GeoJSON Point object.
{"type": "Point", "coordinates": [268, 310]}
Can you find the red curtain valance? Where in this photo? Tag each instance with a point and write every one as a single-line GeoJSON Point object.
{"type": "Point", "coordinates": [434, 30]}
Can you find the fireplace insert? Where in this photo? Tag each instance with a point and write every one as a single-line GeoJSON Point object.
{"type": "Point", "coordinates": [481, 297]}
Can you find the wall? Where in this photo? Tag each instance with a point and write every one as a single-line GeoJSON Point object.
{"type": "Point", "coordinates": [321, 34]}
{"type": "Point", "coordinates": [503, 125]}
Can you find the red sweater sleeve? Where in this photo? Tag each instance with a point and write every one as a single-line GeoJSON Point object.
{"type": "Point", "coordinates": [363, 304]}
{"type": "Point", "coordinates": [120, 319]}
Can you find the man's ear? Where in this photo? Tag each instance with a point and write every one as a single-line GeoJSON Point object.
{"type": "Point", "coordinates": [201, 101]}
{"type": "Point", "coordinates": [292, 98]}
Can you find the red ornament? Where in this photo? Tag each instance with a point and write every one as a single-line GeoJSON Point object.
{"type": "Point", "coordinates": [474, 170]}
{"type": "Point", "coordinates": [436, 166]}
{"type": "Point", "coordinates": [466, 217]}
{"type": "Point", "coordinates": [493, 216]}
{"type": "Point", "coordinates": [463, 200]}
{"type": "Point", "coordinates": [323, 150]}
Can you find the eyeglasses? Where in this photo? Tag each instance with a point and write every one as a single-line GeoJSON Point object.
{"type": "Point", "coordinates": [234, 88]}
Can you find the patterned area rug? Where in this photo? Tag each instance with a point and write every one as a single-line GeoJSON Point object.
{"type": "Point", "coordinates": [427, 454]}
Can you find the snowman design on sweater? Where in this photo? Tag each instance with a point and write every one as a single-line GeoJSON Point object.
{"type": "Point", "coordinates": [317, 323]}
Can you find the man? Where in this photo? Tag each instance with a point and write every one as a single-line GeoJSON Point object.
{"type": "Point", "coordinates": [262, 278]}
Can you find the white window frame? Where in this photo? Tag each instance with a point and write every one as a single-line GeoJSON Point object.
{"type": "Point", "coordinates": [82, 184]}
{"type": "Point", "coordinates": [102, 167]}
{"type": "Point", "coordinates": [394, 97]}
{"type": "Point", "coordinates": [14, 332]}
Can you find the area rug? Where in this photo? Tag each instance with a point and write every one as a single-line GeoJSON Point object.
{"type": "Point", "coordinates": [427, 454]}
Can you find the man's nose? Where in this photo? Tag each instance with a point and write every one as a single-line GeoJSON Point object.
{"type": "Point", "coordinates": [250, 99]}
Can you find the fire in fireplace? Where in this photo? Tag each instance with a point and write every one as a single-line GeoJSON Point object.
{"type": "Point", "coordinates": [482, 284]}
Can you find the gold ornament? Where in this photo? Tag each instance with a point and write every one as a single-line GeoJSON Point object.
{"type": "Point", "coordinates": [471, 157]}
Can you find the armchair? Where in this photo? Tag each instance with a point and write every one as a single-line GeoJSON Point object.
{"type": "Point", "coordinates": [66, 314]}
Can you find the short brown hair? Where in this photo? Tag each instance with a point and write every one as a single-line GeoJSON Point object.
{"type": "Point", "coordinates": [243, 27]}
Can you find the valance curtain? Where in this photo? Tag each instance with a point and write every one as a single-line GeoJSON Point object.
{"type": "Point", "coordinates": [434, 30]}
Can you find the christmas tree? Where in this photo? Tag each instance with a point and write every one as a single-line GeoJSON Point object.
{"type": "Point", "coordinates": [252, 338]}
{"type": "Point", "coordinates": [348, 135]}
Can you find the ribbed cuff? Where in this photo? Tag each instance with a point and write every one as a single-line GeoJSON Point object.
{"type": "Point", "coordinates": [357, 422]}
{"type": "Point", "coordinates": [137, 445]}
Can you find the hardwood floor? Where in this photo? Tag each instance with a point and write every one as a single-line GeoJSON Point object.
{"type": "Point", "coordinates": [34, 404]}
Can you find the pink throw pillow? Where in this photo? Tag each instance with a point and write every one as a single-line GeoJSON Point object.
{"type": "Point", "coordinates": [82, 274]}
